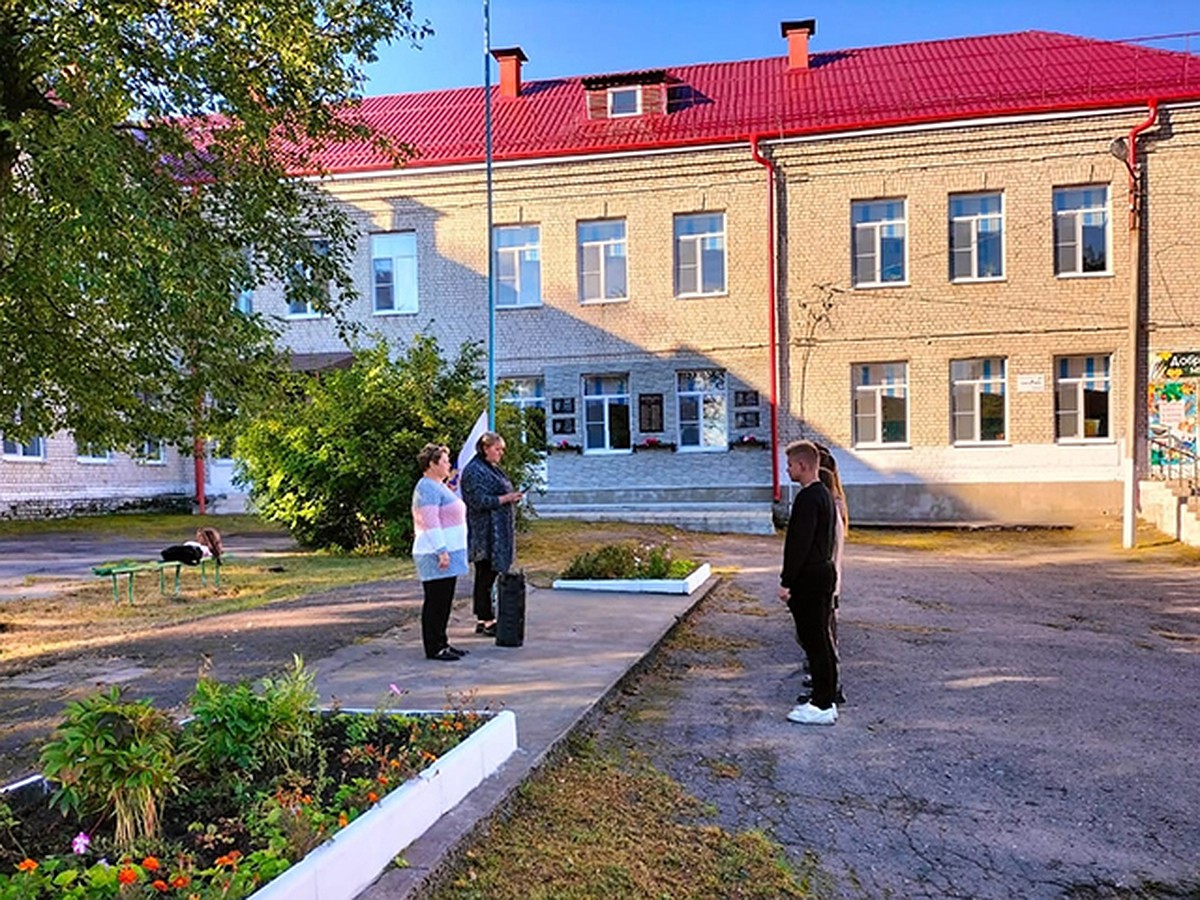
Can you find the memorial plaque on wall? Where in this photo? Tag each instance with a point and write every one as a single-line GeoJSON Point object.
{"type": "Point", "coordinates": [564, 426]}
{"type": "Point", "coordinates": [650, 412]}
{"type": "Point", "coordinates": [745, 419]}
{"type": "Point", "coordinates": [745, 398]}
{"type": "Point", "coordinates": [563, 406]}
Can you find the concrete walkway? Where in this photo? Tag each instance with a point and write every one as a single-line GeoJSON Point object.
{"type": "Point", "coordinates": [579, 646]}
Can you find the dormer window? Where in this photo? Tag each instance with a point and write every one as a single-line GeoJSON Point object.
{"type": "Point", "coordinates": [626, 95]}
{"type": "Point", "coordinates": [624, 101]}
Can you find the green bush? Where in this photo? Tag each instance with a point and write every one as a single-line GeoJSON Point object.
{"type": "Point", "coordinates": [628, 561]}
{"type": "Point", "coordinates": [336, 462]}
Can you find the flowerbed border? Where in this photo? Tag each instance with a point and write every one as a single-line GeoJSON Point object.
{"type": "Point", "coordinates": [638, 585]}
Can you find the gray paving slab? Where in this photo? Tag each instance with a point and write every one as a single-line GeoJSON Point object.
{"type": "Point", "coordinates": [579, 646]}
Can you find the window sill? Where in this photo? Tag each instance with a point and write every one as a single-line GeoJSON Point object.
{"type": "Point", "coordinates": [603, 301]}
{"type": "Point", "coordinates": [537, 305]}
{"type": "Point", "coordinates": [969, 444]}
{"type": "Point", "coordinates": [992, 279]}
{"type": "Point", "coordinates": [876, 285]}
{"type": "Point", "coordinates": [23, 459]}
{"type": "Point", "coordinates": [92, 461]}
{"type": "Point", "coordinates": [719, 449]}
{"type": "Point", "coordinates": [699, 296]}
{"type": "Point", "coordinates": [619, 452]}
{"type": "Point", "coordinates": [395, 312]}
{"type": "Point", "coordinates": [1081, 442]}
{"type": "Point", "coordinates": [895, 445]}
{"type": "Point", "coordinates": [1071, 275]}
{"type": "Point", "coordinates": [300, 317]}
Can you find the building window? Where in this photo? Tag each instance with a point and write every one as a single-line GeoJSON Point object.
{"type": "Point", "coordinates": [703, 410]}
{"type": "Point", "coordinates": [34, 450]}
{"type": "Point", "coordinates": [518, 265]}
{"type": "Point", "coordinates": [879, 242]}
{"type": "Point", "coordinates": [152, 452]}
{"type": "Point", "coordinates": [602, 260]}
{"type": "Point", "coordinates": [303, 280]}
{"type": "Point", "coordinates": [529, 396]}
{"type": "Point", "coordinates": [606, 413]}
{"type": "Point", "coordinates": [880, 403]}
{"type": "Point", "coordinates": [976, 237]}
{"type": "Point", "coordinates": [624, 101]}
{"type": "Point", "coordinates": [244, 302]}
{"type": "Point", "coordinates": [699, 254]}
{"type": "Point", "coordinates": [1082, 397]}
{"type": "Point", "coordinates": [1081, 230]}
{"type": "Point", "coordinates": [92, 454]}
{"type": "Point", "coordinates": [650, 413]}
{"type": "Point", "coordinates": [978, 400]}
{"type": "Point", "coordinates": [394, 272]}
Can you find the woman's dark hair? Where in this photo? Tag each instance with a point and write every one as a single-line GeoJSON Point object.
{"type": "Point", "coordinates": [486, 440]}
{"type": "Point", "coordinates": [431, 453]}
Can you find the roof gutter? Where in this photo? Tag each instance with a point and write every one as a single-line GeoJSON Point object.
{"type": "Point", "coordinates": [773, 314]}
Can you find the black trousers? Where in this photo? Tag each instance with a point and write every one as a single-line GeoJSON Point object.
{"type": "Point", "coordinates": [811, 606]}
{"type": "Point", "coordinates": [481, 598]}
{"type": "Point", "coordinates": [435, 613]}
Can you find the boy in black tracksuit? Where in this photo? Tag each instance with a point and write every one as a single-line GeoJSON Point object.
{"type": "Point", "coordinates": [808, 580]}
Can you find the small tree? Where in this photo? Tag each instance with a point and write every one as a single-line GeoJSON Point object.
{"type": "Point", "coordinates": [336, 462]}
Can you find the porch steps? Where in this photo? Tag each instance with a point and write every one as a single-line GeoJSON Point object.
{"type": "Point", "coordinates": [1172, 509]}
{"type": "Point", "coordinates": [728, 518]}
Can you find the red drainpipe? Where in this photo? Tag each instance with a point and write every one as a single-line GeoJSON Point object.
{"type": "Point", "coordinates": [770, 166]}
{"type": "Point", "coordinates": [1131, 159]}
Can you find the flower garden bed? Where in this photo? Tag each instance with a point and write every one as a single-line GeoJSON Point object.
{"type": "Point", "coordinates": [254, 795]}
{"type": "Point", "coordinates": [633, 569]}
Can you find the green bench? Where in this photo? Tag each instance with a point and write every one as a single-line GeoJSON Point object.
{"type": "Point", "coordinates": [129, 568]}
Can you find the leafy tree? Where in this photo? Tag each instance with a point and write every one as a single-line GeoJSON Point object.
{"type": "Point", "coordinates": [145, 149]}
{"type": "Point", "coordinates": [336, 463]}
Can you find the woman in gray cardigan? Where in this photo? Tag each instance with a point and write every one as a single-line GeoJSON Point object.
{"type": "Point", "coordinates": [491, 523]}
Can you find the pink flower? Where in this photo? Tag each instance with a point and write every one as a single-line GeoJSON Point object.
{"type": "Point", "coordinates": [79, 844]}
{"type": "Point", "coordinates": [395, 690]}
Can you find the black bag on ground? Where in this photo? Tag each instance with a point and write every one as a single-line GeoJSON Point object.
{"type": "Point", "coordinates": [510, 609]}
{"type": "Point", "coordinates": [190, 554]}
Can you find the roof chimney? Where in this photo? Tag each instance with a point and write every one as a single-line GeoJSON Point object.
{"type": "Point", "coordinates": [510, 59]}
{"type": "Point", "coordinates": [797, 34]}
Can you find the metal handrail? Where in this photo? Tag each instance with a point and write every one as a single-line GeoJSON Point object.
{"type": "Point", "coordinates": [1176, 461]}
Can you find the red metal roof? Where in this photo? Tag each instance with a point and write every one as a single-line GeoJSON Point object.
{"type": "Point", "coordinates": [845, 90]}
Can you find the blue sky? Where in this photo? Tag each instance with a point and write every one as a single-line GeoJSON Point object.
{"type": "Point", "coordinates": [584, 37]}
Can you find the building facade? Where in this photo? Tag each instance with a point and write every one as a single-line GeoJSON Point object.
{"type": "Point", "coordinates": [922, 256]}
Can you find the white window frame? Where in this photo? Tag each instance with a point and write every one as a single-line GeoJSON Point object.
{"type": "Point", "coordinates": [153, 452]}
{"type": "Point", "coordinates": [978, 387]}
{"type": "Point", "coordinates": [86, 455]}
{"type": "Point", "coordinates": [1081, 384]}
{"type": "Point", "coordinates": [320, 245]}
{"type": "Point", "coordinates": [399, 249]}
{"type": "Point", "coordinates": [33, 452]}
{"type": "Point", "coordinates": [977, 223]}
{"type": "Point", "coordinates": [883, 380]}
{"type": "Point", "coordinates": [604, 248]}
{"type": "Point", "coordinates": [1076, 218]}
{"type": "Point", "coordinates": [872, 233]}
{"type": "Point", "coordinates": [526, 392]}
{"type": "Point", "coordinates": [635, 89]}
{"type": "Point", "coordinates": [528, 251]}
{"type": "Point", "coordinates": [606, 402]}
{"type": "Point", "coordinates": [698, 241]}
{"type": "Point", "coordinates": [712, 410]}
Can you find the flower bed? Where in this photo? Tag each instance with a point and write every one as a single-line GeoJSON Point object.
{"type": "Point", "coordinates": [633, 568]}
{"type": "Point", "coordinates": [252, 788]}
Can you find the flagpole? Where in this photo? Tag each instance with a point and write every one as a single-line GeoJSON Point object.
{"type": "Point", "coordinates": [487, 131]}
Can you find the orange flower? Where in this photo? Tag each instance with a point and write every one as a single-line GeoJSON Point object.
{"type": "Point", "coordinates": [159, 885]}
{"type": "Point", "coordinates": [180, 881]}
{"type": "Point", "coordinates": [127, 875]}
{"type": "Point", "coordinates": [150, 864]}
{"type": "Point", "coordinates": [383, 779]}
{"type": "Point", "coordinates": [343, 820]}
{"type": "Point", "coordinates": [229, 859]}
{"type": "Point", "coordinates": [372, 796]}
{"type": "Point", "coordinates": [26, 865]}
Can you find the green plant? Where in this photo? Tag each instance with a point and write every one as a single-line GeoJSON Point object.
{"type": "Point", "coordinates": [628, 561]}
{"type": "Point", "coordinates": [238, 731]}
{"type": "Point", "coordinates": [112, 755]}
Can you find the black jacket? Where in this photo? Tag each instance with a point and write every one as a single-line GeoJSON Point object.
{"type": "Point", "coordinates": [808, 547]}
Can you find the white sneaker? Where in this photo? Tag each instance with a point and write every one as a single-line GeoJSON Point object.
{"type": "Point", "coordinates": [807, 714]}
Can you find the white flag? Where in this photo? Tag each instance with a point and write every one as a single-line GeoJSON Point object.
{"type": "Point", "coordinates": [468, 448]}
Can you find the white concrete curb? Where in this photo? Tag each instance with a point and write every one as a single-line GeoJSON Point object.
{"type": "Point", "coordinates": [639, 585]}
